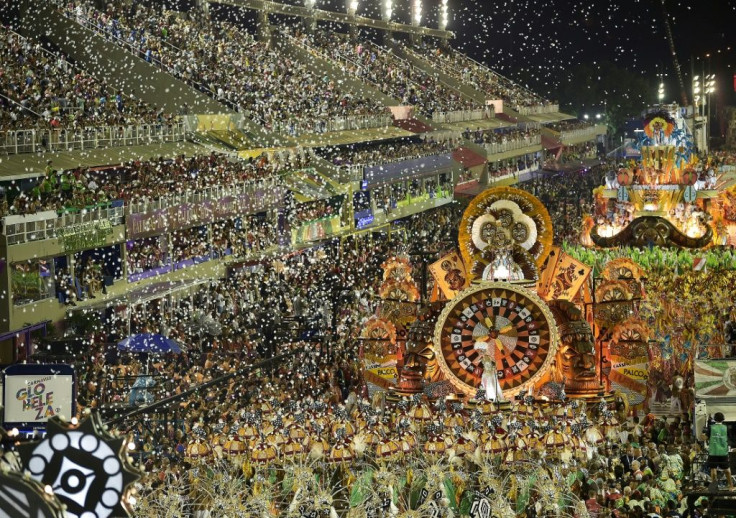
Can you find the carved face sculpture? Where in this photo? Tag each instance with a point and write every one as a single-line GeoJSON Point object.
{"type": "Point", "coordinates": [576, 357]}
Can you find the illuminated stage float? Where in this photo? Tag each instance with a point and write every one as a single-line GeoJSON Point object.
{"type": "Point", "coordinates": [506, 315]}
{"type": "Point", "coordinates": [661, 199]}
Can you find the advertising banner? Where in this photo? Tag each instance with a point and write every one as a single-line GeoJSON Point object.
{"type": "Point", "coordinates": [34, 393]}
{"type": "Point", "coordinates": [316, 230]}
{"type": "Point", "coordinates": [715, 378]}
{"type": "Point", "coordinates": [630, 376]}
{"type": "Point", "coordinates": [192, 214]}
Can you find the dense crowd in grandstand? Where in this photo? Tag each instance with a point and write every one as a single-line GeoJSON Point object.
{"type": "Point", "coordinates": [566, 194]}
{"type": "Point", "coordinates": [40, 89]}
{"type": "Point", "coordinates": [227, 62]}
{"type": "Point", "coordinates": [570, 125]}
{"type": "Point", "coordinates": [145, 181]}
{"type": "Point", "coordinates": [464, 69]}
{"type": "Point", "coordinates": [389, 73]}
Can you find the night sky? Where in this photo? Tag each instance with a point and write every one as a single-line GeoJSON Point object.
{"type": "Point", "coordinates": [540, 41]}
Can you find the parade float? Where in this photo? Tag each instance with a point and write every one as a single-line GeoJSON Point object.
{"type": "Point", "coordinates": [665, 196]}
{"type": "Point", "coordinates": [507, 318]}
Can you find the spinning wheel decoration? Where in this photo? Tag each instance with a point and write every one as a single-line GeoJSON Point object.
{"type": "Point", "coordinates": [503, 218]}
{"type": "Point", "coordinates": [85, 467]}
{"type": "Point", "coordinates": [511, 319]}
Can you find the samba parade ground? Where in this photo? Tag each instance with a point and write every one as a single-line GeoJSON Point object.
{"type": "Point", "coordinates": [267, 259]}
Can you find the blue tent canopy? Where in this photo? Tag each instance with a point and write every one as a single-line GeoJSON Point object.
{"type": "Point", "coordinates": [149, 343]}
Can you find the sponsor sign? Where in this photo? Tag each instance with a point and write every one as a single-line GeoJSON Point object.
{"type": "Point", "coordinates": [34, 393]}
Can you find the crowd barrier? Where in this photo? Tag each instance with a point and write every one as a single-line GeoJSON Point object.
{"type": "Point", "coordinates": [64, 139]}
{"type": "Point", "coordinates": [463, 115]}
{"type": "Point", "coordinates": [538, 109]}
{"type": "Point", "coordinates": [353, 122]}
{"type": "Point", "coordinates": [46, 224]}
{"type": "Point", "coordinates": [209, 194]}
{"type": "Point", "coordinates": [511, 145]}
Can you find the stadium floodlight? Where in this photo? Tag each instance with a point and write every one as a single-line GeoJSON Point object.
{"type": "Point", "coordinates": [416, 12]}
{"type": "Point", "coordinates": [352, 7]}
{"type": "Point", "coordinates": [710, 83]}
{"type": "Point", "coordinates": [388, 9]}
{"type": "Point", "coordinates": [443, 15]}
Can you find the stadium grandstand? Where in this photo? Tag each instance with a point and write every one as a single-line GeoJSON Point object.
{"type": "Point", "coordinates": [150, 147]}
{"type": "Point", "coordinates": [131, 131]}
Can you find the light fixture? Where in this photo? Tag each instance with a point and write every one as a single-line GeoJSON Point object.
{"type": "Point", "coordinates": [310, 3]}
{"type": "Point", "coordinates": [416, 12]}
{"type": "Point", "coordinates": [660, 93]}
{"type": "Point", "coordinates": [597, 115]}
{"type": "Point", "coordinates": [388, 9]}
{"type": "Point", "coordinates": [585, 117]}
{"type": "Point", "coordinates": [710, 83]}
{"type": "Point", "coordinates": [352, 7]}
{"type": "Point", "coordinates": [443, 15]}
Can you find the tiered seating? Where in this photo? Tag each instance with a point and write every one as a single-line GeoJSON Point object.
{"type": "Point", "coordinates": [226, 62]}
{"type": "Point", "coordinates": [40, 89]}
{"type": "Point", "coordinates": [389, 73]}
{"type": "Point", "coordinates": [468, 71]}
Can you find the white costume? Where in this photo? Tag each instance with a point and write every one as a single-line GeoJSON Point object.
{"type": "Point", "coordinates": [489, 379]}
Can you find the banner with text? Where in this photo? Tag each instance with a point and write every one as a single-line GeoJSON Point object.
{"type": "Point", "coordinates": [190, 214]}
{"type": "Point", "coordinates": [33, 393]}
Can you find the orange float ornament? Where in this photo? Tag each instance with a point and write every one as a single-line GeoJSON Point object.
{"type": "Point", "coordinates": [625, 177]}
{"type": "Point", "coordinates": [689, 177]}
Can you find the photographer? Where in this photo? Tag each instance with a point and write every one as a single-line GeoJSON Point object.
{"type": "Point", "coordinates": [717, 435]}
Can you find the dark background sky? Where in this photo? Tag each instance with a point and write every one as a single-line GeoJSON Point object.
{"type": "Point", "coordinates": [541, 41]}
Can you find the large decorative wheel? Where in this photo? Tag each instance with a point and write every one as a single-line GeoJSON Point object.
{"type": "Point", "coordinates": [510, 320]}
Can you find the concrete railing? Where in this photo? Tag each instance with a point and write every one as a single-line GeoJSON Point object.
{"type": "Point", "coordinates": [463, 115]}
{"type": "Point", "coordinates": [538, 109]}
{"type": "Point", "coordinates": [511, 145]}
{"type": "Point", "coordinates": [590, 132]}
{"type": "Point", "coordinates": [353, 122]}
